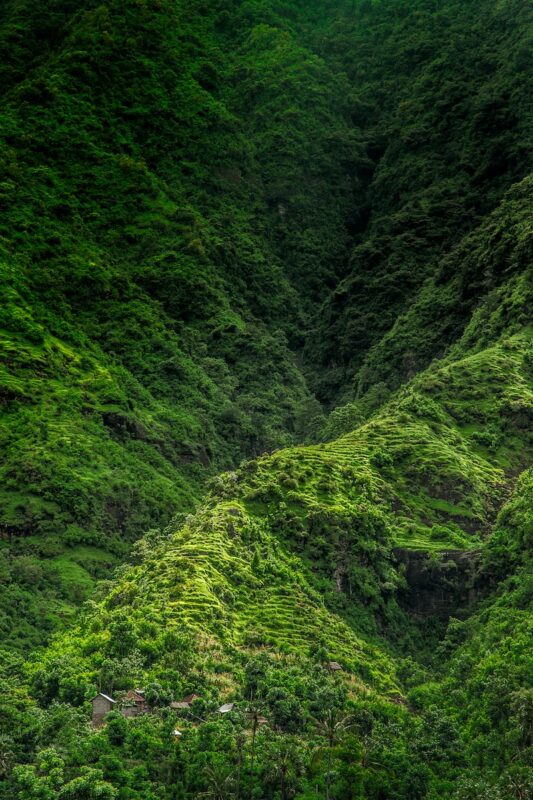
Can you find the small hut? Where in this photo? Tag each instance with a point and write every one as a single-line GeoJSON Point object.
{"type": "Point", "coordinates": [333, 666]}
{"type": "Point", "coordinates": [134, 703]}
{"type": "Point", "coordinates": [185, 703]}
{"type": "Point", "coordinates": [102, 705]}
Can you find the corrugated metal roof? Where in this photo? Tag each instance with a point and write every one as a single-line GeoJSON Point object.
{"type": "Point", "coordinates": [101, 694]}
{"type": "Point", "coordinates": [226, 707]}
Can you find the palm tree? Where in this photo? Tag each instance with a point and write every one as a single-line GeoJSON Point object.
{"type": "Point", "coordinates": [331, 726]}
{"type": "Point", "coordinates": [239, 741]}
{"type": "Point", "coordinates": [220, 783]}
{"type": "Point", "coordinates": [254, 712]}
{"type": "Point", "coordinates": [284, 763]}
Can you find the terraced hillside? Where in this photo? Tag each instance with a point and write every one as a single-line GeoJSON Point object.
{"type": "Point", "coordinates": [312, 528]}
{"type": "Point", "coordinates": [290, 563]}
{"type": "Point", "coordinates": [214, 214]}
{"type": "Point", "coordinates": [266, 396]}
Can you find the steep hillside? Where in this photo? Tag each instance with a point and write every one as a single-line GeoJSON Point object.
{"type": "Point", "coordinates": [443, 92]}
{"type": "Point", "coordinates": [296, 559]}
{"type": "Point", "coordinates": [250, 598]}
{"type": "Point", "coordinates": [182, 188]}
{"type": "Point", "coordinates": [148, 299]}
{"type": "Point", "coordinates": [303, 541]}
{"type": "Point", "coordinates": [266, 393]}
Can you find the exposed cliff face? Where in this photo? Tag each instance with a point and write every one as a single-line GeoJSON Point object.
{"type": "Point", "coordinates": [440, 585]}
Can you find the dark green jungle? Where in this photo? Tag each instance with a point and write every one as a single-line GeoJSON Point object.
{"type": "Point", "coordinates": [266, 392]}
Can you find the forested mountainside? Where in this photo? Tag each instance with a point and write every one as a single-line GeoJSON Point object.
{"type": "Point", "coordinates": [214, 214]}
{"type": "Point", "coordinates": [265, 399]}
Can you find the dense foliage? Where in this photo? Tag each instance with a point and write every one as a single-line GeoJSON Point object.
{"type": "Point", "coordinates": [265, 398]}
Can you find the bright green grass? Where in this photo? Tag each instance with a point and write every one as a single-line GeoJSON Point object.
{"type": "Point", "coordinates": [297, 546]}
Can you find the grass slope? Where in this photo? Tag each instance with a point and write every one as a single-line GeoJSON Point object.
{"type": "Point", "coordinates": [182, 187]}
{"type": "Point", "coordinates": [290, 562]}
{"type": "Point", "coordinates": [147, 310]}
{"type": "Point", "coordinates": [301, 541]}
{"type": "Point", "coordinates": [181, 190]}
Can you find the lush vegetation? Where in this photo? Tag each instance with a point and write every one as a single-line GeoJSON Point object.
{"type": "Point", "coordinates": [265, 399]}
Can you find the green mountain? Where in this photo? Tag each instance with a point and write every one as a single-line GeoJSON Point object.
{"type": "Point", "coordinates": [265, 399]}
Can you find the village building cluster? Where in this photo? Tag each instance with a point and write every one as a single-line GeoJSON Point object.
{"type": "Point", "coordinates": [134, 703]}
